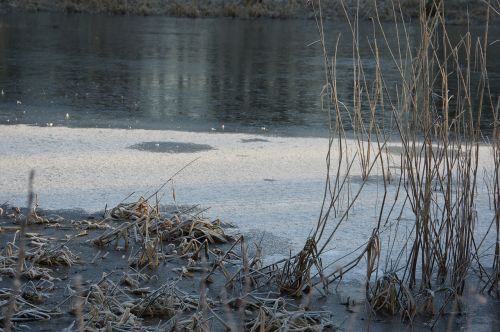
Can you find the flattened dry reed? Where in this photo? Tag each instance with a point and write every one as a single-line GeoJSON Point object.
{"type": "Point", "coordinates": [46, 255]}
{"type": "Point", "coordinates": [267, 313]}
{"type": "Point", "coordinates": [24, 310]}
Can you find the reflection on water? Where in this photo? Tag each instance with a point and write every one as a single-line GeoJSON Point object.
{"type": "Point", "coordinates": [168, 73]}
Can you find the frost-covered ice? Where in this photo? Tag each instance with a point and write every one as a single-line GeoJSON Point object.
{"type": "Point", "coordinates": [274, 185]}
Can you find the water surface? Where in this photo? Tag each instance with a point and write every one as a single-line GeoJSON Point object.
{"type": "Point", "coordinates": [251, 76]}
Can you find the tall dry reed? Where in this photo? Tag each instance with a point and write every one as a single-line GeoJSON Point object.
{"type": "Point", "coordinates": [437, 107]}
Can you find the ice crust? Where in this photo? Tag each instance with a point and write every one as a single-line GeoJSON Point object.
{"type": "Point", "coordinates": [274, 185]}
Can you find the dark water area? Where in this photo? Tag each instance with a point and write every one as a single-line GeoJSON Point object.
{"type": "Point", "coordinates": [175, 73]}
{"type": "Point", "coordinates": [171, 147]}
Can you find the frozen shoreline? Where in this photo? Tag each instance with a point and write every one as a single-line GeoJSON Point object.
{"type": "Point", "coordinates": [258, 183]}
{"type": "Point", "coordinates": [252, 184]}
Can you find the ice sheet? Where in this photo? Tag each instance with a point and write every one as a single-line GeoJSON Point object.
{"type": "Point", "coordinates": [273, 185]}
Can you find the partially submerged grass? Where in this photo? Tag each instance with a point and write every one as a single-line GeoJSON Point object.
{"type": "Point", "coordinates": [277, 313]}
{"type": "Point", "coordinates": [161, 237]}
{"type": "Point", "coordinates": [139, 298]}
{"type": "Point", "coordinates": [23, 309]}
{"type": "Point", "coordinates": [435, 111]}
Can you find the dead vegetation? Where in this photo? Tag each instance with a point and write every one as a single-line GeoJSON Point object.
{"type": "Point", "coordinates": [38, 254]}
{"type": "Point", "coordinates": [160, 237]}
{"type": "Point", "coordinates": [128, 302]}
{"type": "Point", "coordinates": [435, 111]}
{"type": "Point", "coordinates": [435, 181]}
{"type": "Point", "coordinates": [24, 310]}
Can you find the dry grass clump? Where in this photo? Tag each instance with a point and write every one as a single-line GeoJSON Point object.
{"type": "Point", "coordinates": [295, 275]}
{"type": "Point", "coordinates": [107, 304]}
{"type": "Point", "coordinates": [33, 217]}
{"type": "Point", "coordinates": [46, 255]}
{"type": "Point", "coordinates": [191, 237]}
{"type": "Point", "coordinates": [384, 295]}
{"type": "Point", "coordinates": [23, 309]}
{"type": "Point", "coordinates": [275, 319]}
{"type": "Point", "coordinates": [268, 313]}
{"type": "Point", "coordinates": [37, 292]}
{"type": "Point", "coordinates": [165, 301]}
{"type": "Point", "coordinates": [185, 234]}
{"type": "Point", "coordinates": [90, 224]}
{"type": "Point", "coordinates": [15, 214]}
{"type": "Point", "coordinates": [106, 309]}
{"type": "Point", "coordinates": [390, 295]}
{"type": "Point", "coordinates": [29, 269]}
{"type": "Point", "coordinates": [41, 251]}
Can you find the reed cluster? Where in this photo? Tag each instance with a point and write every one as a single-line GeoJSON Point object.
{"type": "Point", "coordinates": [435, 113]}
